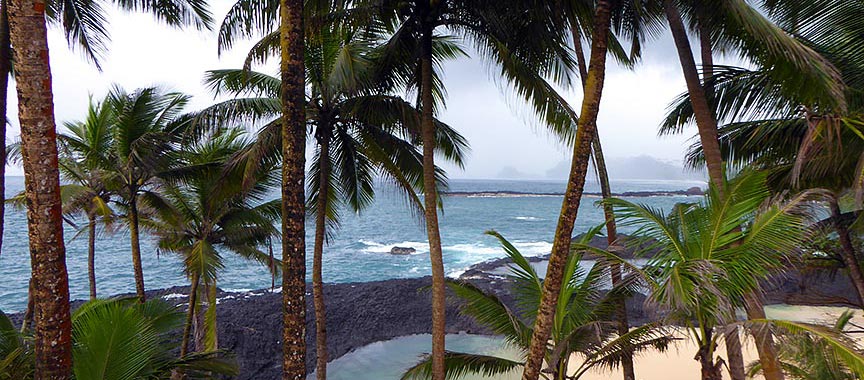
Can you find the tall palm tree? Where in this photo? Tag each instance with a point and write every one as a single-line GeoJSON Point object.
{"type": "Point", "coordinates": [292, 97]}
{"type": "Point", "coordinates": [580, 328]}
{"type": "Point", "coordinates": [50, 290]}
{"type": "Point", "coordinates": [359, 133]}
{"type": "Point", "coordinates": [148, 125]}
{"type": "Point", "coordinates": [409, 58]}
{"type": "Point", "coordinates": [84, 163]}
{"type": "Point", "coordinates": [211, 212]}
{"type": "Point", "coordinates": [708, 255]}
{"type": "Point", "coordinates": [735, 25]}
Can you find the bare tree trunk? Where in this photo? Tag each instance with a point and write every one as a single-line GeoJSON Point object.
{"type": "Point", "coordinates": [705, 121]}
{"type": "Point", "coordinates": [317, 260]}
{"type": "Point", "coordinates": [575, 186]}
{"type": "Point", "coordinates": [190, 315]}
{"type": "Point", "coordinates": [292, 95]}
{"type": "Point", "coordinates": [137, 267]}
{"type": "Point", "coordinates": [91, 255]}
{"type": "Point", "coordinates": [623, 325]}
{"type": "Point", "coordinates": [5, 71]}
{"type": "Point", "coordinates": [53, 325]}
{"type": "Point", "coordinates": [847, 252]}
{"type": "Point", "coordinates": [430, 200]}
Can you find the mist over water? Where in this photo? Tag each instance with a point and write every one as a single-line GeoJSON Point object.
{"type": "Point", "coordinates": [357, 251]}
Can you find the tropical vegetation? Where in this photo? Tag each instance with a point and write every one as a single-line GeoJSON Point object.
{"type": "Point", "coordinates": [361, 85]}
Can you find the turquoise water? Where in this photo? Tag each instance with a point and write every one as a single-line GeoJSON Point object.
{"type": "Point", "coordinates": [358, 251]}
{"type": "Point", "coordinates": [390, 359]}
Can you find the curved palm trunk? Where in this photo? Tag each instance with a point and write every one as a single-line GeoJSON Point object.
{"type": "Point", "coordinates": [292, 95]}
{"type": "Point", "coordinates": [190, 315]}
{"type": "Point", "coordinates": [53, 326]}
{"type": "Point", "coordinates": [572, 197]}
{"type": "Point", "coordinates": [731, 335]}
{"type": "Point", "coordinates": [317, 262]}
{"type": "Point", "coordinates": [28, 312]}
{"type": "Point", "coordinates": [91, 255]}
{"type": "Point", "coordinates": [5, 68]}
{"type": "Point", "coordinates": [847, 252]}
{"type": "Point", "coordinates": [137, 268]}
{"type": "Point", "coordinates": [707, 126]}
{"type": "Point", "coordinates": [430, 205]}
{"type": "Point", "coordinates": [623, 326]}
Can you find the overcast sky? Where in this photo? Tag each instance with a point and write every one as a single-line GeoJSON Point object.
{"type": "Point", "coordinates": [501, 131]}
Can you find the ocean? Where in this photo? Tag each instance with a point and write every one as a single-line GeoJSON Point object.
{"type": "Point", "coordinates": [357, 251]}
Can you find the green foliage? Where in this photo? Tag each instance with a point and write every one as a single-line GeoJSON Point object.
{"type": "Point", "coordinates": [117, 339]}
{"type": "Point", "coordinates": [580, 321]}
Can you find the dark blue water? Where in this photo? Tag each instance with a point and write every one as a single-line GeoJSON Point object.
{"type": "Point", "coordinates": [358, 251]}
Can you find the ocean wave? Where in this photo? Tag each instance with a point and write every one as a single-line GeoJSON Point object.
{"type": "Point", "coordinates": [376, 247]}
{"type": "Point", "coordinates": [529, 218]}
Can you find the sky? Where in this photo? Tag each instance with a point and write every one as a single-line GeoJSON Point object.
{"type": "Point", "coordinates": [500, 129]}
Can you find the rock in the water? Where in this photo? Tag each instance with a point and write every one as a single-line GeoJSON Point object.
{"type": "Point", "coordinates": [402, 250]}
{"type": "Point", "coordinates": [695, 190]}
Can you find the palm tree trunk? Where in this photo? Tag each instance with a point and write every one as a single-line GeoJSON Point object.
{"type": "Point", "coordinates": [211, 336]}
{"type": "Point", "coordinates": [847, 252]}
{"type": "Point", "coordinates": [190, 315]}
{"type": "Point", "coordinates": [765, 346]}
{"type": "Point", "coordinates": [292, 95]}
{"type": "Point", "coordinates": [5, 71]}
{"type": "Point", "coordinates": [53, 326]}
{"type": "Point", "coordinates": [707, 126]}
{"type": "Point", "coordinates": [317, 260]}
{"type": "Point", "coordinates": [28, 312]}
{"type": "Point", "coordinates": [623, 325]}
{"type": "Point", "coordinates": [731, 335]}
{"type": "Point", "coordinates": [137, 268]}
{"type": "Point", "coordinates": [430, 200]}
{"type": "Point", "coordinates": [572, 197]}
{"type": "Point", "coordinates": [91, 255]}
{"type": "Point", "coordinates": [705, 121]}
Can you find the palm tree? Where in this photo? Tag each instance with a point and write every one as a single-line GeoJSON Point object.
{"type": "Point", "coordinates": [84, 23]}
{"type": "Point", "coordinates": [710, 254]}
{"type": "Point", "coordinates": [498, 30]}
{"type": "Point", "coordinates": [117, 340]}
{"type": "Point", "coordinates": [209, 213]}
{"type": "Point", "coordinates": [735, 25]}
{"type": "Point", "coordinates": [84, 162]}
{"type": "Point", "coordinates": [580, 326]}
{"type": "Point", "coordinates": [359, 133]}
{"type": "Point", "coordinates": [148, 123]}
{"type": "Point", "coordinates": [292, 98]}
{"type": "Point", "coordinates": [50, 290]}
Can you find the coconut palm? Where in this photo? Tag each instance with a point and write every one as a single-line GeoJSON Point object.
{"type": "Point", "coordinates": [84, 162]}
{"type": "Point", "coordinates": [708, 255]}
{"type": "Point", "coordinates": [117, 340]}
{"type": "Point", "coordinates": [736, 26]}
{"type": "Point", "coordinates": [85, 25]}
{"type": "Point", "coordinates": [581, 326]}
{"type": "Point", "coordinates": [50, 281]}
{"type": "Point", "coordinates": [359, 133]}
{"type": "Point", "coordinates": [210, 213]}
{"type": "Point", "coordinates": [148, 124]}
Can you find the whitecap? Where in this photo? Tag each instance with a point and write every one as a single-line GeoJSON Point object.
{"type": "Point", "coordinates": [376, 247]}
{"type": "Point", "coordinates": [527, 218]}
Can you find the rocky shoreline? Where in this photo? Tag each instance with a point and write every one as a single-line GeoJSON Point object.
{"type": "Point", "coordinates": [359, 314]}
